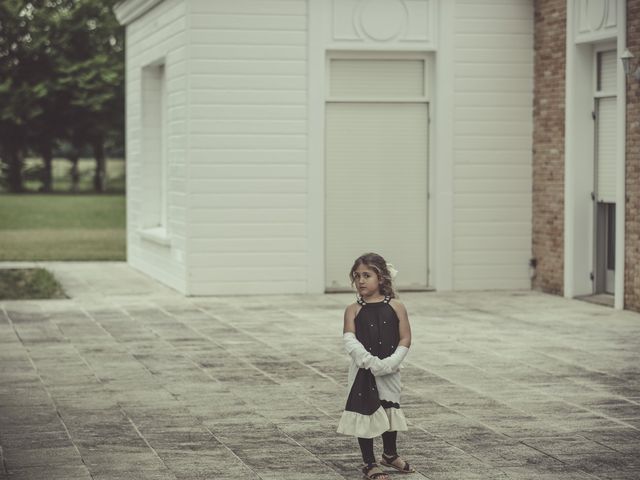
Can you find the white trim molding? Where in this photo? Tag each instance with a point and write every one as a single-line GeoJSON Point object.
{"type": "Point", "coordinates": [329, 40]}
{"type": "Point", "coordinates": [156, 235]}
{"type": "Point", "coordinates": [441, 168]}
{"type": "Point", "coordinates": [579, 176]}
{"type": "Point", "coordinates": [621, 160]}
{"type": "Point", "coordinates": [315, 150]}
{"type": "Point", "coordinates": [596, 20]}
{"type": "Point", "coordinates": [129, 10]}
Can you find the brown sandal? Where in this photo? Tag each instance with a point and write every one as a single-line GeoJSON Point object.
{"type": "Point", "coordinates": [387, 461]}
{"type": "Point", "coordinates": [376, 475]}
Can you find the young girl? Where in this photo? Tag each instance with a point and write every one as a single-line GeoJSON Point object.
{"type": "Point", "coordinates": [377, 336]}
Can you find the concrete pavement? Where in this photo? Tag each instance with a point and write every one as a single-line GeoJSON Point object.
{"type": "Point", "coordinates": [129, 380]}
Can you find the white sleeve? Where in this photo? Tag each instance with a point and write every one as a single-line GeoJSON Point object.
{"type": "Point", "coordinates": [394, 360]}
{"type": "Point", "coordinates": [364, 359]}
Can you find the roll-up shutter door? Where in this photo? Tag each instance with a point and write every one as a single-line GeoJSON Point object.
{"type": "Point", "coordinates": [379, 79]}
{"type": "Point", "coordinates": [606, 129]}
{"type": "Point", "coordinates": [607, 71]}
{"type": "Point", "coordinates": [376, 169]}
{"type": "Point", "coordinates": [606, 126]}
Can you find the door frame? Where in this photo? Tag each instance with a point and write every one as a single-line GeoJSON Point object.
{"type": "Point", "coordinates": [578, 214]}
{"type": "Point", "coordinates": [601, 207]}
{"type": "Point", "coordinates": [427, 60]}
{"type": "Point", "coordinates": [424, 135]}
{"type": "Point", "coordinates": [437, 47]}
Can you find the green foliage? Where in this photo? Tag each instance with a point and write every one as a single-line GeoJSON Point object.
{"type": "Point", "coordinates": [28, 283]}
{"type": "Point", "coordinates": [61, 79]}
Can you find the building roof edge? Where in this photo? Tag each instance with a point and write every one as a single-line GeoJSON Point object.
{"type": "Point", "coordinates": [129, 10]}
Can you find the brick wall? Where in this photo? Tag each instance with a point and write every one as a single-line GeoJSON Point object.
{"type": "Point", "coordinates": [632, 227]}
{"type": "Point", "coordinates": [548, 144]}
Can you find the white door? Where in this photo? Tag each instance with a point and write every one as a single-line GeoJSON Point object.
{"type": "Point", "coordinates": [376, 188]}
{"type": "Point", "coordinates": [605, 161]}
{"type": "Point", "coordinates": [606, 189]}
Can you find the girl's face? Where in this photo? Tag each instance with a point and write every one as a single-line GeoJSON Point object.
{"type": "Point", "coordinates": [366, 281]}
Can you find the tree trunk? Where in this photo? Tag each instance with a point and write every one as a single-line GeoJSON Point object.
{"type": "Point", "coordinates": [99, 177]}
{"type": "Point", "coordinates": [47, 176]}
{"type": "Point", "coordinates": [75, 175]}
{"type": "Point", "coordinates": [14, 177]}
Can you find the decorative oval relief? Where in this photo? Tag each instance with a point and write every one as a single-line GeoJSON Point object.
{"type": "Point", "coordinates": [597, 13]}
{"type": "Point", "coordinates": [383, 20]}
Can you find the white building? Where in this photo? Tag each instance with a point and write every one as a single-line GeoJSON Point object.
{"type": "Point", "coordinates": [270, 142]}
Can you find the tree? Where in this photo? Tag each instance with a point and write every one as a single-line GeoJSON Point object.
{"type": "Point", "coordinates": [45, 127]}
{"type": "Point", "coordinates": [94, 72]}
{"type": "Point", "coordinates": [17, 96]}
{"type": "Point", "coordinates": [62, 77]}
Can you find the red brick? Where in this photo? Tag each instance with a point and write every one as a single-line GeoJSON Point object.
{"type": "Point", "coordinates": [548, 144]}
{"type": "Point", "coordinates": [632, 210]}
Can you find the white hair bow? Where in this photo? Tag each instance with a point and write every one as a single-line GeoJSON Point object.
{"type": "Point", "coordinates": [392, 271]}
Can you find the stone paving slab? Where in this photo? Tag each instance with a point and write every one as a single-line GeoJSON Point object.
{"type": "Point", "coordinates": [127, 379]}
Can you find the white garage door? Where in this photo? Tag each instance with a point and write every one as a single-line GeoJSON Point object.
{"type": "Point", "coordinates": [606, 127]}
{"type": "Point", "coordinates": [376, 170]}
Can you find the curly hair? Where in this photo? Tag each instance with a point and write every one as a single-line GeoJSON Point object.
{"type": "Point", "coordinates": [378, 264]}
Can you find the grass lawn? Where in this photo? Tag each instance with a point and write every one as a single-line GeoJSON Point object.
{"type": "Point", "coordinates": [62, 227]}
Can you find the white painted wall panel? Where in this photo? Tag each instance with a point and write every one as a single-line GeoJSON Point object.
{"type": "Point", "coordinates": [245, 23]}
{"type": "Point", "coordinates": [493, 94]}
{"type": "Point", "coordinates": [252, 7]}
{"type": "Point", "coordinates": [248, 171]}
{"type": "Point", "coordinates": [247, 156]}
{"type": "Point", "coordinates": [245, 200]}
{"type": "Point", "coordinates": [248, 185]}
{"type": "Point", "coordinates": [248, 112]}
{"type": "Point", "coordinates": [249, 52]}
{"type": "Point", "coordinates": [254, 82]}
{"type": "Point", "coordinates": [246, 66]}
{"type": "Point", "coordinates": [160, 34]}
{"type": "Point", "coordinates": [209, 35]}
{"type": "Point", "coordinates": [248, 147]}
{"type": "Point", "coordinates": [247, 215]}
{"type": "Point", "coordinates": [271, 245]}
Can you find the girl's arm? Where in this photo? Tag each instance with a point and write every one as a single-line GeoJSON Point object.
{"type": "Point", "coordinates": [403, 326]}
{"type": "Point", "coordinates": [350, 319]}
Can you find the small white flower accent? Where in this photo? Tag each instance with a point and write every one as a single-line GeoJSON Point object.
{"type": "Point", "coordinates": [392, 271]}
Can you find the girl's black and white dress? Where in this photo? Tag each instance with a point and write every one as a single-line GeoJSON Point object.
{"type": "Point", "coordinates": [373, 402]}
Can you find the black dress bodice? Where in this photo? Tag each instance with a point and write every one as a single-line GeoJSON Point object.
{"type": "Point", "coordinates": [377, 327]}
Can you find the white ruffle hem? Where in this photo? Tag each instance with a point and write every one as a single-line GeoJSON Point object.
{"type": "Point", "coordinates": [370, 426]}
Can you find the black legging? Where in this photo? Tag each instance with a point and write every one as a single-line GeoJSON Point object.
{"type": "Point", "coordinates": [388, 443]}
